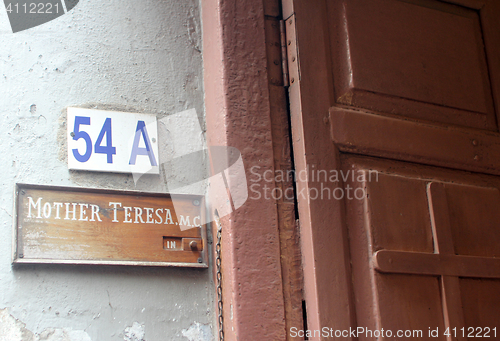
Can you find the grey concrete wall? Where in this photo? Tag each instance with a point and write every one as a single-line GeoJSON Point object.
{"type": "Point", "coordinates": [127, 55]}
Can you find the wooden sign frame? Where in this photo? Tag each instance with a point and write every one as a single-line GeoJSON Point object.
{"type": "Point", "coordinates": [68, 225]}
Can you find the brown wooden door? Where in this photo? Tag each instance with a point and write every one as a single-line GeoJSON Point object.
{"type": "Point", "coordinates": [397, 102]}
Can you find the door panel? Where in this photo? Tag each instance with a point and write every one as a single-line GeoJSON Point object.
{"type": "Point", "coordinates": [420, 59]}
{"type": "Point", "coordinates": [409, 241]}
{"type": "Point", "coordinates": [407, 302]}
{"type": "Point", "coordinates": [475, 217]}
{"type": "Point", "coordinates": [398, 214]}
{"type": "Point", "coordinates": [479, 298]}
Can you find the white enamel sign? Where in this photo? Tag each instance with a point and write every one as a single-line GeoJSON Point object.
{"type": "Point", "coordinates": [110, 141]}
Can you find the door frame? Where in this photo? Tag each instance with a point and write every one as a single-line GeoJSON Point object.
{"type": "Point", "coordinates": [238, 108]}
{"type": "Point", "coordinates": [327, 284]}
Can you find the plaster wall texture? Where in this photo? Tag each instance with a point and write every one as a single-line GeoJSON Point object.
{"type": "Point", "coordinates": [124, 55]}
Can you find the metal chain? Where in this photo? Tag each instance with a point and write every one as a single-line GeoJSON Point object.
{"type": "Point", "coordinates": [219, 278]}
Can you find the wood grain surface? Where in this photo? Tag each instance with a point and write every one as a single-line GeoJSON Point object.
{"type": "Point", "coordinates": [70, 225]}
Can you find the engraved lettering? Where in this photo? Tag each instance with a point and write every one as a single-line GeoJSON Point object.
{"type": "Point", "coordinates": [47, 210]}
{"type": "Point", "coordinates": [184, 221]}
{"type": "Point", "coordinates": [83, 212]}
{"type": "Point", "coordinates": [95, 213]}
{"type": "Point", "coordinates": [58, 205]}
{"type": "Point", "coordinates": [159, 216]}
{"type": "Point", "coordinates": [197, 224]}
{"type": "Point", "coordinates": [138, 215]}
{"type": "Point", "coordinates": [127, 214]}
{"type": "Point", "coordinates": [115, 204]}
{"type": "Point", "coordinates": [149, 215]}
{"type": "Point", "coordinates": [72, 211]}
{"type": "Point", "coordinates": [38, 204]}
{"type": "Point", "coordinates": [168, 217]}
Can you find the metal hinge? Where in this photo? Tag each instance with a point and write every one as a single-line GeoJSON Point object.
{"type": "Point", "coordinates": [291, 51]}
{"type": "Point", "coordinates": [281, 51]}
{"type": "Point", "coordinates": [284, 54]}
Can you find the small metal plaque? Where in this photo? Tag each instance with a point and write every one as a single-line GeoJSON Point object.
{"type": "Point", "coordinates": [91, 226]}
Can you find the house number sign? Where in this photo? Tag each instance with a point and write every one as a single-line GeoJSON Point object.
{"type": "Point", "coordinates": [110, 141]}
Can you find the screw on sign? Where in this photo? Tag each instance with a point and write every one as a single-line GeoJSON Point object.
{"type": "Point", "coordinates": [25, 14]}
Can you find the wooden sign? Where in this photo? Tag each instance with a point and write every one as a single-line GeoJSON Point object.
{"type": "Point", "coordinates": [90, 226]}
